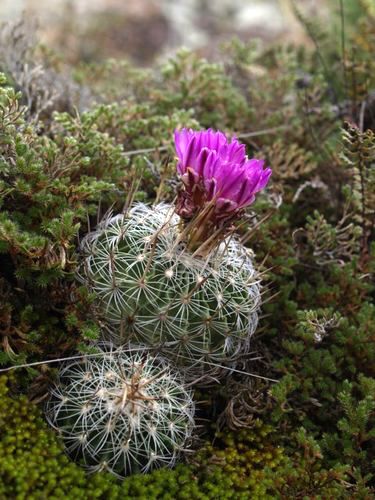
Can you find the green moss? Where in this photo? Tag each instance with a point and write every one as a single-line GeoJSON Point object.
{"type": "Point", "coordinates": [241, 465]}
{"type": "Point", "coordinates": [33, 465]}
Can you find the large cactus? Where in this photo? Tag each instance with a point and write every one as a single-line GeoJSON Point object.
{"type": "Point", "coordinates": [152, 290]}
{"type": "Point", "coordinates": [174, 277]}
{"type": "Point", "coordinates": [122, 411]}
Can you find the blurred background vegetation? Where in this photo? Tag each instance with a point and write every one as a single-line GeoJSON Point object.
{"type": "Point", "coordinates": [144, 30]}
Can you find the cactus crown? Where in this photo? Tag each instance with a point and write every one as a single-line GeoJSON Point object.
{"type": "Point", "coordinates": [122, 411]}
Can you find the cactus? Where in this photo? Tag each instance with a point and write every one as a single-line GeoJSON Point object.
{"type": "Point", "coordinates": [200, 312]}
{"type": "Point", "coordinates": [123, 411]}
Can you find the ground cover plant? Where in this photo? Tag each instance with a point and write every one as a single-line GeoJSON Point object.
{"type": "Point", "coordinates": [293, 416]}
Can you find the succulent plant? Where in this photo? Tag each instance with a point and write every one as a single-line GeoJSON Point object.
{"type": "Point", "coordinates": [152, 290]}
{"type": "Point", "coordinates": [175, 278]}
{"type": "Point", "coordinates": [122, 410]}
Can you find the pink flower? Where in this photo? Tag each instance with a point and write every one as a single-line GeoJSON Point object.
{"type": "Point", "coordinates": [216, 171]}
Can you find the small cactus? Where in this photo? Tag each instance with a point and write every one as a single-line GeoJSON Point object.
{"type": "Point", "coordinates": [200, 312]}
{"type": "Point", "coordinates": [124, 411]}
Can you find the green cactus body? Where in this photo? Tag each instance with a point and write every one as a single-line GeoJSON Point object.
{"type": "Point", "coordinates": [151, 290]}
{"type": "Point", "coordinates": [124, 411]}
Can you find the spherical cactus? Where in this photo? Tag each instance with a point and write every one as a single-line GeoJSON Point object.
{"type": "Point", "coordinates": [152, 289]}
{"type": "Point", "coordinates": [124, 411]}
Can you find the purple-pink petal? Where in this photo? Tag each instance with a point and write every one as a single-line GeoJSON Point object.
{"type": "Point", "coordinates": [181, 140]}
{"type": "Point", "coordinates": [265, 178]}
